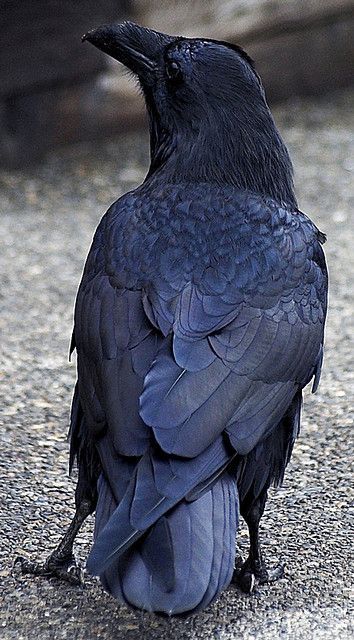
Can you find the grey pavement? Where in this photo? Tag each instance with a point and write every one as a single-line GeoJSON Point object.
{"type": "Point", "coordinates": [48, 216]}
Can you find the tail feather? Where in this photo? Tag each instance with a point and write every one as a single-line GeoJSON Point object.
{"type": "Point", "coordinates": [159, 483]}
{"type": "Point", "coordinates": [158, 555]}
{"type": "Point", "coordinates": [186, 559]}
{"type": "Point", "coordinates": [224, 520]}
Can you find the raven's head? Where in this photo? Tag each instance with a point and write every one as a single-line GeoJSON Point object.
{"type": "Point", "coordinates": [209, 119]}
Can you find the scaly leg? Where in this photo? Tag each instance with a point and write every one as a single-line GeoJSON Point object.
{"type": "Point", "coordinates": [254, 570]}
{"type": "Point", "coordinates": [61, 563]}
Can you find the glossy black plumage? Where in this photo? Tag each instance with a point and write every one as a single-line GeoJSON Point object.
{"type": "Point", "coordinates": [198, 321]}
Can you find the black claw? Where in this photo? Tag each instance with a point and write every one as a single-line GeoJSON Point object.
{"type": "Point", "coordinates": [246, 581]}
{"type": "Point", "coordinates": [251, 573]}
{"type": "Point", "coordinates": [61, 563]}
{"type": "Point", "coordinates": [64, 569]}
{"type": "Point", "coordinates": [238, 562]}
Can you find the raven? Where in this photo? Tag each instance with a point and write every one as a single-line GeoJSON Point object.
{"type": "Point", "coordinates": [199, 320]}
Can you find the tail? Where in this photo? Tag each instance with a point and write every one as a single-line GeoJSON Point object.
{"type": "Point", "coordinates": [168, 547]}
{"type": "Point", "coordinates": [184, 560]}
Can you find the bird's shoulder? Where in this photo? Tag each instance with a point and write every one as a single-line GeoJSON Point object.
{"type": "Point", "coordinates": [199, 232]}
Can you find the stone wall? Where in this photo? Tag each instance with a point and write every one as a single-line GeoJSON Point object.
{"type": "Point", "coordinates": [55, 90]}
{"type": "Point", "coordinates": [301, 47]}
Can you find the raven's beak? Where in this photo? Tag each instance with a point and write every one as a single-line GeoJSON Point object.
{"type": "Point", "coordinates": [138, 48]}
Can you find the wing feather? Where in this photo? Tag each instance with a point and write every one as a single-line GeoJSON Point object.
{"type": "Point", "coordinates": [204, 353]}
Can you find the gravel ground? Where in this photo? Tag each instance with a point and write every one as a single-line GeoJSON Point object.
{"type": "Point", "coordinates": [48, 218]}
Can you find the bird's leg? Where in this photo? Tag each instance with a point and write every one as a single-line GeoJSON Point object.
{"type": "Point", "coordinates": [61, 563]}
{"type": "Point", "coordinates": [254, 570]}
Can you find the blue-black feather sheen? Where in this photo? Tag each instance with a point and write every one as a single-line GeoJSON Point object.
{"type": "Point", "coordinates": [236, 292]}
{"type": "Point", "coordinates": [198, 321]}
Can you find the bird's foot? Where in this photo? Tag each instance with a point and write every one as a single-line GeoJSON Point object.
{"type": "Point", "coordinates": [252, 572]}
{"type": "Point", "coordinates": [64, 568]}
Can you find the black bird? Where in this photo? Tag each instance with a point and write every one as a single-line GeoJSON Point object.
{"type": "Point", "coordinates": [199, 319]}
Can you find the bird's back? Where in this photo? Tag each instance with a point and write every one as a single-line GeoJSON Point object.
{"type": "Point", "coordinates": [199, 317]}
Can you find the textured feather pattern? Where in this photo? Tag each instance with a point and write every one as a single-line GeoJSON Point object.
{"type": "Point", "coordinates": [186, 559]}
{"type": "Point", "coordinates": [158, 484]}
{"type": "Point", "coordinates": [265, 464]}
{"type": "Point", "coordinates": [198, 321]}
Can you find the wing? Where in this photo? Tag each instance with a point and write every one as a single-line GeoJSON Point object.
{"type": "Point", "coordinates": [116, 344]}
{"type": "Point", "coordinates": [240, 343]}
{"type": "Point", "coordinates": [246, 337]}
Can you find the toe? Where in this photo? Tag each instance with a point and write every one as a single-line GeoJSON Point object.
{"type": "Point", "coordinates": [247, 582]}
{"type": "Point", "coordinates": [76, 574]}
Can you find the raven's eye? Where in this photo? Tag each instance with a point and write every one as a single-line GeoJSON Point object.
{"type": "Point", "coordinates": [173, 71]}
